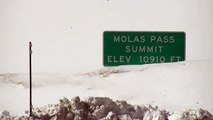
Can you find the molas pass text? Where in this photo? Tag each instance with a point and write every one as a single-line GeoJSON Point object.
{"type": "Point", "coordinates": [131, 48]}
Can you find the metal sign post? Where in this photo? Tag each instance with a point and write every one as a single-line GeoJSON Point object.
{"type": "Point", "coordinates": [30, 53]}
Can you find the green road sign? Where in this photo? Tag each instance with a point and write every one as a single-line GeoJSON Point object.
{"type": "Point", "coordinates": [131, 48]}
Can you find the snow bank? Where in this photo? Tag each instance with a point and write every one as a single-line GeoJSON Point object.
{"type": "Point", "coordinates": [97, 108]}
{"type": "Point", "coordinates": [173, 87]}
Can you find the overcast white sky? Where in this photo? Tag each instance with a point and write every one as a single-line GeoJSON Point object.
{"type": "Point", "coordinates": [67, 34]}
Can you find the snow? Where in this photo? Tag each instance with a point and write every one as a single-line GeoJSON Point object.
{"type": "Point", "coordinates": [176, 87]}
{"type": "Point", "coordinates": [171, 86]}
{"type": "Point", "coordinates": [57, 48]}
{"type": "Point", "coordinates": [102, 108]}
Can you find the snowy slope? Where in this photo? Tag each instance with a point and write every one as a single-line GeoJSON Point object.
{"type": "Point", "coordinates": [173, 87]}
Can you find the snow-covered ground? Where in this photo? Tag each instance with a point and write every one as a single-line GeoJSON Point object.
{"type": "Point", "coordinates": [173, 86]}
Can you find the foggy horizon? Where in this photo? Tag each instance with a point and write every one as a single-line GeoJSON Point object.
{"type": "Point", "coordinates": [67, 36]}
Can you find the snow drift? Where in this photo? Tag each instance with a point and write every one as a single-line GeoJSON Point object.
{"type": "Point", "coordinates": [96, 108]}
{"type": "Point", "coordinates": [173, 86]}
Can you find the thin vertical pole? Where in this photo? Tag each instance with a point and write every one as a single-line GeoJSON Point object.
{"type": "Point", "coordinates": [30, 53]}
